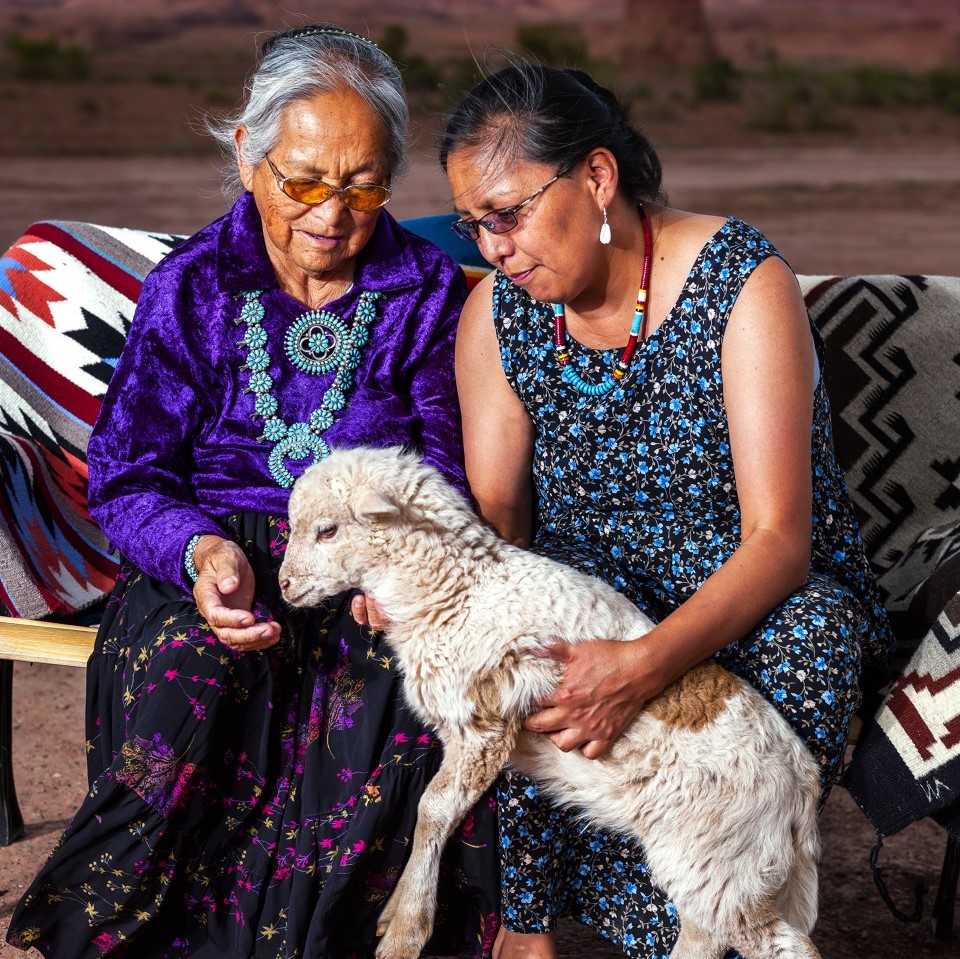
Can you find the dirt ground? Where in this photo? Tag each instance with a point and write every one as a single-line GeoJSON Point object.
{"type": "Point", "coordinates": [841, 209]}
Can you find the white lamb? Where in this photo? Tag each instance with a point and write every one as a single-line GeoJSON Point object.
{"type": "Point", "coordinates": [712, 781]}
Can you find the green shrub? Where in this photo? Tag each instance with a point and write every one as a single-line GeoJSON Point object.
{"type": "Point", "coordinates": [162, 78]}
{"type": "Point", "coordinates": [219, 97]}
{"type": "Point", "coordinates": [783, 97]}
{"type": "Point", "coordinates": [795, 100]}
{"type": "Point", "coordinates": [717, 81]}
{"type": "Point", "coordinates": [459, 75]}
{"type": "Point", "coordinates": [393, 41]}
{"type": "Point", "coordinates": [47, 60]}
{"type": "Point", "coordinates": [943, 88]}
{"type": "Point", "coordinates": [884, 88]}
{"type": "Point", "coordinates": [555, 44]}
{"type": "Point", "coordinates": [419, 73]}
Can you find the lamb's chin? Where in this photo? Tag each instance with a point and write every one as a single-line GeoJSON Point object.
{"type": "Point", "coordinates": [309, 598]}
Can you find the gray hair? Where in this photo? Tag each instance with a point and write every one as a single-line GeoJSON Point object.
{"type": "Point", "coordinates": [293, 66]}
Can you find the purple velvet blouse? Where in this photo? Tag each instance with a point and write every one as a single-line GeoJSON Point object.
{"type": "Point", "coordinates": [176, 446]}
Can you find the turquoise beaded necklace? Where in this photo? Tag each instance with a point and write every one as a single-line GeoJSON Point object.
{"type": "Point", "coordinates": [316, 343]}
{"type": "Point", "coordinates": [637, 330]}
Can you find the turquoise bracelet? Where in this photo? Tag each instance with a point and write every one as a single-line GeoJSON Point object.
{"type": "Point", "coordinates": [188, 563]}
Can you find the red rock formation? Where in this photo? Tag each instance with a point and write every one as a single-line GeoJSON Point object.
{"type": "Point", "coordinates": [673, 33]}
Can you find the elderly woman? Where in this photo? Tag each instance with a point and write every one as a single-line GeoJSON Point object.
{"type": "Point", "coordinates": [254, 771]}
{"type": "Point", "coordinates": [641, 397]}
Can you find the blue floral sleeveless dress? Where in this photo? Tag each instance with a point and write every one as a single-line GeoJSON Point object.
{"type": "Point", "coordinates": [637, 487]}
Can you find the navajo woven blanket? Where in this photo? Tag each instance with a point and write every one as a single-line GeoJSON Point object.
{"type": "Point", "coordinates": [67, 293]}
{"type": "Point", "coordinates": [893, 374]}
{"type": "Point", "coordinates": [907, 764]}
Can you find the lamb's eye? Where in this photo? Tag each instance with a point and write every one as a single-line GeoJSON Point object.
{"type": "Point", "coordinates": [327, 532]}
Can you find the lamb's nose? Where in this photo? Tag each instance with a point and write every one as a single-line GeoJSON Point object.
{"type": "Point", "coordinates": [284, 585]}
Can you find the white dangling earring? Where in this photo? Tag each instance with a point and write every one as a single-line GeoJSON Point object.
{"type": "Point", "coordinates": [605, 228]}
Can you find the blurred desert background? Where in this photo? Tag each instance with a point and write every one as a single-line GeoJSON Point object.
{"type": "Point", "coordinates": [833, 125]}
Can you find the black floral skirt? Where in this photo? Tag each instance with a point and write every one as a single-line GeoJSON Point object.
{"type": "Point", "coordinates": [247, 804]}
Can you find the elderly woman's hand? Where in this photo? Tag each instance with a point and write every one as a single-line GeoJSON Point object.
{"type": "Point", "coordinates": [368, 612]}
{"type": "Point", "coordinates": [224, 595]}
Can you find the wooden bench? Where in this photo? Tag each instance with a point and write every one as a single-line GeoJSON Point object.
{"type": "Point", "coordinates": [30, 641]}
{"type": "Point", "coordinates": [892, 370]}
{"type": "Point", "coordinates": [33, 641]}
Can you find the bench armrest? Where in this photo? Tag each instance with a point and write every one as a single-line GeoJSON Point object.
{"type": "Point", "coordinates": [32, 641]}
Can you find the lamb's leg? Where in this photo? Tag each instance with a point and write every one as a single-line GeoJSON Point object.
{"type": "Point", "coordinates": [466, 771]}
{"type": "Point", "coordinates": [694, 943]}
{"type": "Point", "coordinates": [773, 939]}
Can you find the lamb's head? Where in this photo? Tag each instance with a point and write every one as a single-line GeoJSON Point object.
{"type": "Point", "coordinates": [350, 514]}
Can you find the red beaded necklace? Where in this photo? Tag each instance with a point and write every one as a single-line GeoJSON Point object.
{"type": "Point", "coordinates": [638, 329]}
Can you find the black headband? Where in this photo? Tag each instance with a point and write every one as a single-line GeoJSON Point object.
{"type": "Point", "coordinates": [312, 30]}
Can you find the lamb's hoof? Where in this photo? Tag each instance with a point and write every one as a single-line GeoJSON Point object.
{"type": "Point", "coordinates": [399, 947]}
{"type": "Point", "coordinates": [386, 915]}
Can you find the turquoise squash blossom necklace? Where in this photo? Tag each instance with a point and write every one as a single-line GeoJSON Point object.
{"type": "Point", "coordinates": [316, 343]}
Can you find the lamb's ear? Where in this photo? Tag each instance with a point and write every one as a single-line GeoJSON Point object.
{"type": "Point", "coordinates": [374, 507]}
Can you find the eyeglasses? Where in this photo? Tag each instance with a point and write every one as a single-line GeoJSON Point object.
{"type": "Point", "coordinates": [497, 221]}
{"type": "Point", "coordinates": [362, 197]}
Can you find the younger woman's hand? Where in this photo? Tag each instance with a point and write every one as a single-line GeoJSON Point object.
{"type": "Point", "coordinates": [605, 684]}
{"type": "Point", "coordinates": [223, 593]}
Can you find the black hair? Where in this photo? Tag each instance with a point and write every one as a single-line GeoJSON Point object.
{"type": "Point", "coordinates": [556, 117]}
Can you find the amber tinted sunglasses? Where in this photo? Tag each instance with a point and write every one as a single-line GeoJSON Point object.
{"type": "Point", "coordinates": [363, 197]}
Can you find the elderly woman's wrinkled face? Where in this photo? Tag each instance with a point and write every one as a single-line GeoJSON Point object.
{"type": "Point", "coordinates": [335, 137]}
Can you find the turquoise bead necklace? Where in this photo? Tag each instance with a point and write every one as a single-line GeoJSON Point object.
{"type": "Point", "coordinates": [316, 343]}
{"type": "Point", "coordinates": [638, 329]}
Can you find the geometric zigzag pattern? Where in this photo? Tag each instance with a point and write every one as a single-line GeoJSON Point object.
{"type": "Point", "coordinates": [67, 294]}
{"type": "Point", "coordinates": [893, 377]}
{"type": "Point", "coordinates": [913, 713]}
{"type": "Point", "coordinates": [894, 385]}
{"type": "Point", "coordinates": [907, 763]}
